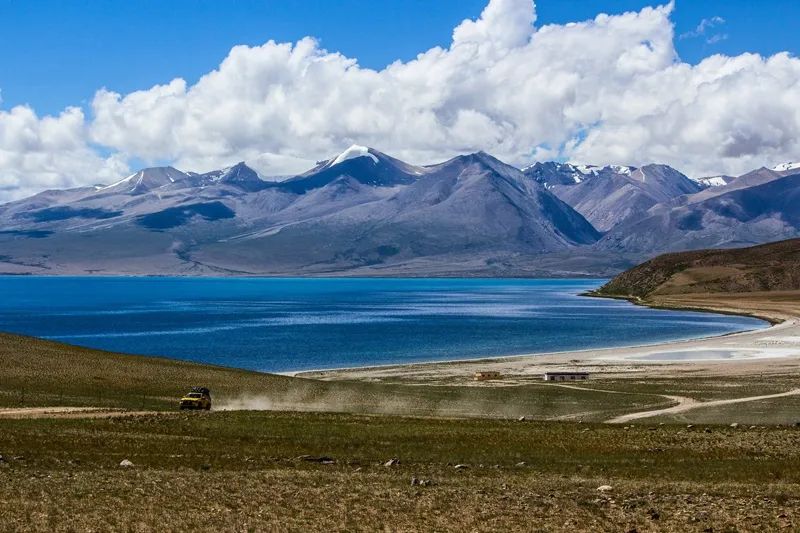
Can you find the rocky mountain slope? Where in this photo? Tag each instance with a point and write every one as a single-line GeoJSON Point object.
{"type": "Point", "coordinates": [360, 208]}
{"type": "Point", "coordinates": [608, 196]}
{"type": "Point", "coordinates": [734, 215]}
{"type": "Point", "coordinates": [363, 212]}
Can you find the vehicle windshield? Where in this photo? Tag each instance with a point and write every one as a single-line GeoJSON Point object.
{"type": "Point", "coordinates": [194, 395]}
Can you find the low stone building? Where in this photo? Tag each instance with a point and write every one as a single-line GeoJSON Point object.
{"type": "Point", "coordinates": [566, 376]}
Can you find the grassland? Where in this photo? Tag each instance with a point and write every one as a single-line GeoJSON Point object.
{"type": "Point", "coordinates": [255, 471]}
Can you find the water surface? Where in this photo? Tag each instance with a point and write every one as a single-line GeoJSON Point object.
{"type": "Point", "coordinates": [278, 325]}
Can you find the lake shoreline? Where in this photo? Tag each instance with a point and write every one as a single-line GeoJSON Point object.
{"type": "Point", "coordinates": [767, 352]}
{"type": "Point", "coordinates": [300, 325]}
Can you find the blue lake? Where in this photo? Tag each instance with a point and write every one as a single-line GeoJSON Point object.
{"type": "Point", "coordinates": [300, 324]}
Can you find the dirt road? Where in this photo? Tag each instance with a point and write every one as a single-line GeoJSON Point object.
{"type": "Point", "coordinates": [68, 412]}
{"type": "Point", "coordinates": [687, 404]}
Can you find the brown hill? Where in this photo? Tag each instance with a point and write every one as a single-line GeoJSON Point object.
{"type": "Point", "coordinates": [768, 267]}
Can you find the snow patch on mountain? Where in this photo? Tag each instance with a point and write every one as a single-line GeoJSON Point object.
{"type": "Point", "coordinates": [783, 167]}
{"type": "Point", "coordinates": [354, 152]}
{"type": "Point", "coordinates": [713, 181]}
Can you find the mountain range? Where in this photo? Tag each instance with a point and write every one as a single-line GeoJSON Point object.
{"type": "Point", "coordinates": [363, 212]}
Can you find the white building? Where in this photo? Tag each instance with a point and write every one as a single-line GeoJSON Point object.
{"type": "Point", "coordinates": [566, 376]}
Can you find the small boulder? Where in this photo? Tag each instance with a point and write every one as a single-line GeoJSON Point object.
{"type": "Point", "coordinates": [414, 481]}
{"type": "Point", "coordinates": [125, 463]}
{"type": "Point", "coordinates": [322, 459]}
{"type": "Point", "coordinates": [735, 425]}
{"type": "Point", "coordinates": [394, 461]}
{"type": "Point", "coordinates": [521, 419]}
{"type": "Point", "coordinates": [605, 488]}
{"type": "Point", "coordinates": [461, 466]}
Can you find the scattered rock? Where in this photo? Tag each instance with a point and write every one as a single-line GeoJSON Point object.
{"type": "Point", "coordinates": [205, 467]}
{"type": "Point", "coordinates": [461, 466]}
{"type": "Point", "coordinates": [735, 425]}
{"type": "Point", "coordinates": [690, 426]}
{"type": "Point", "coordinates": [707, 430]}
{"type": "Point", "coordinates": [521, 419]}
{"type": "Point", "coordinates": [414, 481]}
{"type": "Point", "coordinates": [605, 488]}
{"type": "Point", "coordinates": [654, 515]}
{"type": "Point", "coordinates": [752, 427]}
{"type": "Point", "coordinates": [322, 459]}
{"type": "Point", "coordinates": [125, 463]}
{"type": "Point", "coordinates": [521, 463]}
{"type": "Point", "coordinates": [394, 461]}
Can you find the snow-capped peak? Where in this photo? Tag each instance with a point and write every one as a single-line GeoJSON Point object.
{"type": "Point", "coordinates": [712, 181]}
{"type": "Point", "coordinates": [783, 167]}
{"type": "Point", "coordinates": [352, 153]}
{"type": "Point", "coordinates": [622, 169]}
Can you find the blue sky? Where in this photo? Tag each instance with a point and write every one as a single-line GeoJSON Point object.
{"type": "Point", "coordinates": [94, 90]}
{"type": "Point", "coordinates": [56, 53]}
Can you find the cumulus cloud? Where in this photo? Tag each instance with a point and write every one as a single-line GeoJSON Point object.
{"type": "Point", "coordinates": [38, 153]}
{"type": "Point", "coordinates": [607, 90]}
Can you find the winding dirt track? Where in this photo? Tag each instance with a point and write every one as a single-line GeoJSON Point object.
{"type": "Point", "coordinates": [69, 412]}
{"type": "Point", "coordinates": [687, 404]}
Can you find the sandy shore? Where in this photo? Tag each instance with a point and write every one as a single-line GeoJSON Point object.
{"type": "Point", "coordinates": [770, 350]}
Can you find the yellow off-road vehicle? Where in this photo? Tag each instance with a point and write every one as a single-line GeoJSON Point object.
{"type": "Point", "coordinates": [197, 398]}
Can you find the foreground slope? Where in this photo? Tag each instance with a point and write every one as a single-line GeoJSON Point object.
{"type": "Point", "coordinates": [768, 267]}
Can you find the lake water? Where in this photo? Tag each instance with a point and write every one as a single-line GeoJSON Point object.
{"type": "Point", "coordinates": [300, 324]}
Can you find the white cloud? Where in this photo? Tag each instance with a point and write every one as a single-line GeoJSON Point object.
{"type": "Point", "coordinates": [38, 153]}
{"type": "Point", "coordinates": [704, 29]}
{"type": "Point", "coordinates": [608, 90]}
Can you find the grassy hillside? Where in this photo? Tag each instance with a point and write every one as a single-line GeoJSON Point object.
{"type": "Point", "coordinates": [35, 372]}
{"type": "Point", "coordinates": [768, 267]}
